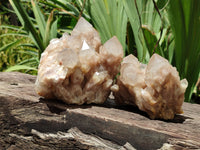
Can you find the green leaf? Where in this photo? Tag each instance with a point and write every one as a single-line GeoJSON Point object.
{"type": "Point", "coordinates": [109, 18]}
{"type": "Point", "coordinates": [17, 28]}
{"type": "Point", "coordinates": [48, 30]}
{"type": "Point", "coordinates": [67, 6]}
{"type": "Point", "coordinates": [141, 13]}
{"type": "Point", "coordinates": [132, 10]}
{"type": "Point", "coordinates": [28, 25]}
{"type": "Point", "coordinates": [184, 18]}
{"type": "Point", "coordinates": [151, 41]}
{"type": "Point", "coordinates": [171, 51]}
{"type": "Point", "coordinates": [28, 45]}
{"type": "Point", "coordinates": [50, 4]}
{"type": "Point", "coordinates": [10, 45]}
{"type": "Point", "coordinates": [6, 9]}
{"type": "Point", "coordinates": [28, 52]}
{"type": "Point", "coordinates": [14, 34]}
{"type": "Point", "coordinates": [53, 29]}
{"type": "Point", "coordinates": [29, 61]}
{"type": "Point", "coordinates": [20, 67]}
{"type": "Point", "coordinates": [162, 3]}
{"type": "Point", "coordinates": [39, 18]}
{"type": "Point", "coordinates": [131, 46]}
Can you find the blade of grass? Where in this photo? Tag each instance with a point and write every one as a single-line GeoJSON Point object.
{"type": "Point", "coordinates": [132, 14]}
{"type": "Point", "coordinates": [150, 40]}
{"type": "Point", "coordinates": [28, 45]}
{"type": "Point", "coordinates": [14, 34]}
{"type": "Point", "coordinates": [109, 18]}
{"type": "Point", "coordinates": [12, 27]}
{"type": "Point", "coordinates": [10, 45]}
{"type": "Point", "coordinates": [131, 46]}
{"type": "Point", "coordinates": [50, 4]}
{"type": "Point", "coordinates": [47, 35]}
{"type": "Point", "coordinates": [28, 25]}
{"type": "Point", "coordinates": [30, 60]}
{"type": "Point", "coordinates": [187, 44]}
{"type": "Point", "coordinates": [67, 6]}
{"type": "Point", "coordinates": [53, 30]}
{"type": "Point", "coordinates": [144, 13]}
{"type": "Point", "coordinates": [20, 67]}
{"type": "Point", "coordinates": [99, 18]}
{"type": "Point", "coordinates": [39, 18]}
{"type": "Point", "coordinates": [28, 52]}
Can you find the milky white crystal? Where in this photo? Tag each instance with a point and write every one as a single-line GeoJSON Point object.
{"type": "Point", "coordinates": [155, 88]}
{"type": "Point", "coordinates": [77, 68]}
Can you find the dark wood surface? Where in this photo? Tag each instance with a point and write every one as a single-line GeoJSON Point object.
{"type": "Point", "coordinates": [30, 122]}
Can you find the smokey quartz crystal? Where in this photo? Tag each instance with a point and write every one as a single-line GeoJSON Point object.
{"type": "Point", "coordinates": [77, 68]}
{"type": "Point", "coordinates": [155, 88]}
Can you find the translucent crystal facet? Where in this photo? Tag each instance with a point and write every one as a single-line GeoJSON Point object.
{"type": "Point", "coordinates": [77, 68]}
{"type": "Point", "coordinates": [155, 88]}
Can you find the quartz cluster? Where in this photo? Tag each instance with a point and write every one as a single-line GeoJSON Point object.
{"type": "Point", "coordinates": [155, 88]}
{"type": "Point", "coordinates": [77, 68]}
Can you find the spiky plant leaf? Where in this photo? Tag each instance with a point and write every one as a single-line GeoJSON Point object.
{"type": "Point", "coordinates": [10, 45]}
{"type": "Point", "coordinates": [109, 18]}
{"type": "Point", "coordinates": [20, 67]}
{"type": "Point", "coordinates": [145, 21]}
{"type": "Point", "coordinates": [184, 18]}
{"type": "Point", "coordinates": [27, 24]}
{"type": "Point", "coordinates": [40, 19]}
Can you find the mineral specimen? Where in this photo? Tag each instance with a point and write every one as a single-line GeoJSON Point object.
{"type": "Point", "coordinates": [77, 69]}
{"type": "Point", "coordinates": [154, 88]}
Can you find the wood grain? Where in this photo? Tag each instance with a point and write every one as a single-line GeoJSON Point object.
{"type": "Point", "coordinates": [29, 122]}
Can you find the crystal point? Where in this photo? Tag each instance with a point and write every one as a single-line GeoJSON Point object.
{"type": "Point", "coordinates": [73, 70]}
{"type": "Point", "coordinates": [155, 88]}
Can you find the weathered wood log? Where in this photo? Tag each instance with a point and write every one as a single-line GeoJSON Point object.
{"type": "Point", "coordinates": [29, 122]}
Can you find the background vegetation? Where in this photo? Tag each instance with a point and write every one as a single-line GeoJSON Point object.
{"type": "Point", "coordinates": [167, 27]}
